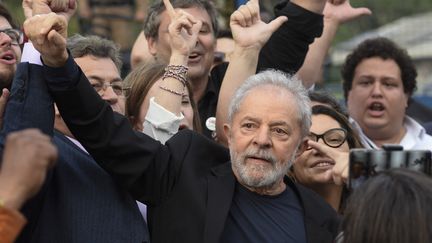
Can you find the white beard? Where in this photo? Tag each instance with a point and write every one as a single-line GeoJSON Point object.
{"type": "Point", "coordinates": [259, 176]}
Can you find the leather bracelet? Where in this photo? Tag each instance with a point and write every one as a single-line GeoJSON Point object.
{"type": "Point", "coordinates": [1, 203]}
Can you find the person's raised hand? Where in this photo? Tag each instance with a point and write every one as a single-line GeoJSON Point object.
{"type": "Point", "coordinates": [34, 7]}
{"type": "Point", "coordinates": [27, 156]}
{"type": "Point", "coordinates": [3, 101]}
{"type": "Point", "coordinates": [248, 29]}
{"type": "Point", "coordinates": [183, 30]}
{"type": "Point", "coordinates": [48, 33]}
{"type": "Point", "coordinates": [341, 159]}
{"type": "Point", "coordinates": [341, 11]}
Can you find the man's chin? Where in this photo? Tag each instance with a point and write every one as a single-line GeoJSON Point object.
{"type": "Point", "coordinates": [257, 179]}
{"type": "Point", "coordinates": [374, 124]}
{"type": "Point", "coordinates": [197, 72]}
{"type": "Point", "coordinates": [6, 79]}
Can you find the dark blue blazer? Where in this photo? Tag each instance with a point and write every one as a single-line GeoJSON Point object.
{"type": "Point", "coordinates": [79, 202]}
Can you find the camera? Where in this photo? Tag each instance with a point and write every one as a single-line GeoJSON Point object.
{"type": "Point", "coordinates": [365, 163]}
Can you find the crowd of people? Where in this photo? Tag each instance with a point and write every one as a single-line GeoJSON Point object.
{"type": "Point", "coordinates": [204, 140]}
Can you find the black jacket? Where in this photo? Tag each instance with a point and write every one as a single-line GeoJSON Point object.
{"type": "Point", "coordinates": [188, 183]}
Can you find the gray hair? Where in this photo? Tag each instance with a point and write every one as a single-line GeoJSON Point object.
{"type": "Point", "coordinates": [92, 45]}
{"type": "Point", "coordinates": [152, 20]}
{"type": "Point", "coordinates": [281, 80]}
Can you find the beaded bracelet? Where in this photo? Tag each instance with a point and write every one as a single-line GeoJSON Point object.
{"type": "Point", "coordinates": [171, 91]}
{"type": "Point", "coordinates": [175, 76]}
{"type": "Point", "coordinates": [178, 72]}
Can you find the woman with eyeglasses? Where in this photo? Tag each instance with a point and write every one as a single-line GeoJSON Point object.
{"type": "Point", "coordinates": [330, 139]}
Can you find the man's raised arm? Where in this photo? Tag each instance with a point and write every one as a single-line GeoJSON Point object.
{"type": "Point", "coordinates": [287, 47]}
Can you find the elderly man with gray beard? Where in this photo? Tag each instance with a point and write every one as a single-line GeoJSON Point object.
{"type": "Point", "coordinates": [193, 192]}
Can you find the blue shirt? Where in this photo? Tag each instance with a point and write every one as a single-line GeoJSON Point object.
{"type": "Point", "coordinates": [261, 218]}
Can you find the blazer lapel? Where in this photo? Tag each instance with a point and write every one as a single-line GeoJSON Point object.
{"type": "Point", "coordinates": [316, 227]}
{"type": "Point", "coordinates": [220, 189]}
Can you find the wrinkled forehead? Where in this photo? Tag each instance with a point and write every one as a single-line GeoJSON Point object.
{"type": "Point", "coordinates": [270, 101]}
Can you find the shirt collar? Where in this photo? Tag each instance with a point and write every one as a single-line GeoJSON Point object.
{"type": "Point", "coordinates": [414, 132]}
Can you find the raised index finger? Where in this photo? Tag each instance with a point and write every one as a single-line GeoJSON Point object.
{"type": "Point", "coordinates": [169, 8]}
{"type": "Point", "coordinates": [322, 148]}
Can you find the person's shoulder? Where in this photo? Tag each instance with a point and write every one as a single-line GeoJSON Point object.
{"type": "Point", "coordinates": [199, 144]}
{"type": "Point", "coordinates": [428, 127]}
{"type": "Point", "coordinates": [316, 210]}
{"type": "Point", "coordinates": [313, 204]}
{"type": "Point", "coordinates": [313, 200]}
{"type": "Point", "coordinates": [426, 141]}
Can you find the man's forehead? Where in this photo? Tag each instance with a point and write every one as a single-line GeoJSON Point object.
{"type": "Point", "coordinates": [270, 101]}
{"type": "Point", "coordinates": [102, 67]}
{"type": "Point", "coordinates": [387, 66]}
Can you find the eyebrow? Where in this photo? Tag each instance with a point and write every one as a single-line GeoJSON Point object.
{"type": "Point", "coordinates": [249, 118]}
{"type": "Point", "coordinates": [205, 24]}
{"type": "Point", "coordinates": [271, 124]}
{"type": "Point", "coordinates": [99, 79]}
{"type": "Point", "coordinates": [279, 123]}
{"type": "Point", "coordinates": [373, 77]}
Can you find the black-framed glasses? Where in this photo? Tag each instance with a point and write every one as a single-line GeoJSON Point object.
{"type": "Point", "coordinates": [16, 36]}
{"type": "Point", "coordinates": [334, 137]}
{"type": "Point", "coordinates": [101, 87]}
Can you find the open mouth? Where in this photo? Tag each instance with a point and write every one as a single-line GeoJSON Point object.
{"type": "Point", "coordinates": [8, 58]}
{"type": "Point", "coordinates": [376, 106]}
{"type": "Point", "coordinates": [323, 164]}
{"type": "Point", "coordinates": [194, 57]}
{"type": "Point", "coordinates": [376, 109]}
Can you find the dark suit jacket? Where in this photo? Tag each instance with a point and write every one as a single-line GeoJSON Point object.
{"type": "Point", "coordinates": [79, 202]}
{"type": "Point", "coordinates": [187, 183]}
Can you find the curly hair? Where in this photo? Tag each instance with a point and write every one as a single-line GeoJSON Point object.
{"type": "Point", "coordinates": [385, 49]}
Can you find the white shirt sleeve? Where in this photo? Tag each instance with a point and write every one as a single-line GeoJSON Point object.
{"type": "Point", "coordinates": [160, 123]}
{"type": "Point", "coordinates": [30, 54]}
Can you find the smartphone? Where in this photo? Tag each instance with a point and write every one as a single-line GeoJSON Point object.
{"type": "Point", "coordinates": [365, 163]}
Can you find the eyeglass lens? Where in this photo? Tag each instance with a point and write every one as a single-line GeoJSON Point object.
{"type": "Point", "coordinates": [116, 86]}
{"type": "Point", "coordinates": [15, 35]}
{"type": "Point", "coordinates": [333, 138]}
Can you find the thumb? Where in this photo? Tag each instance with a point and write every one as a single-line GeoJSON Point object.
{"type": "Point", "coordinates": [3, 100]}
{"type": "Point", "coordinates": [56, 38]}
{"type": "Point", "coordinates": [276, 23]}
{"type": "Point", "coordinates": [363, 11]}
{"type": "Point", "coordinates": [72, 4]}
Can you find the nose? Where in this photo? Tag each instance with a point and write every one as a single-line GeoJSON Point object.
{"type": "Point", "coordinates": [376, 89]}
{"type": "Point", "coordinates": [110, 96]}
{"type": "Point", "coordinates": [185, 121]}
{"type": "Point", "coordinates": [262, 138]}
{"type": "Point", "coordinates": [5, 40]}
